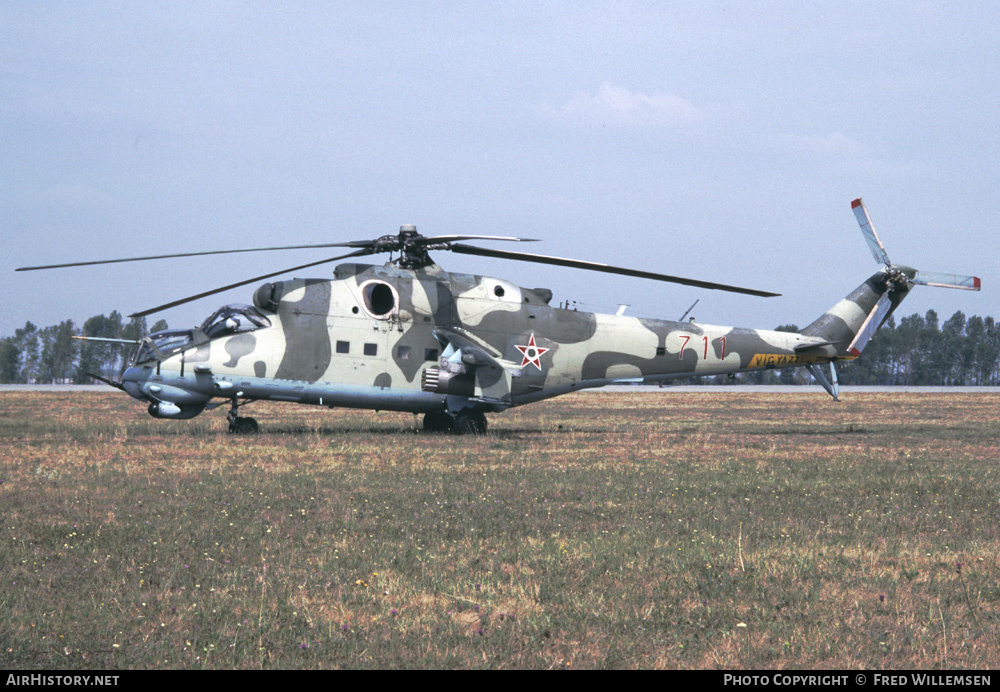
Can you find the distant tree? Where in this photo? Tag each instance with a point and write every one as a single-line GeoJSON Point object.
{"type": "Point", "coordinates": [909, 334]}
{"type": "Point", "coordinates": [989, 356]}
{"type": "Point", "coordinates": [114, 327]}
{"type": "Point", "coordinates": [66, 349]}
{"type": "Point", "coordinates": [951, 357]}
{"type": "Point", "coordinates": [100, 357]}
{"type": "Point", "coordinates": [932, 361]}
{"type": "Point", "coordinates": [159, 326]}
{"type": "Point", "coordinates": [26, 340]}
{"type": "Point", "coordinates": [975, 332]}
{"type": "Point", "coordinates": [43, 370]}
{"type": "Point", "coordinates": [58, 353]}
{"type": "Point", "coordinates": [10, 361]}
{"type": "Point", "coordinates": [135, 329]}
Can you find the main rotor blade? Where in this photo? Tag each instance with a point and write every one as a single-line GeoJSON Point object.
{"type": "Point", "coordinates": [607, 268]}
{"type": "Point", "coordinates": [204, 294]}
{"type": "Point", "coordinates": [434, 240]}
{"type": "Point", "coordinates": [356, 243]}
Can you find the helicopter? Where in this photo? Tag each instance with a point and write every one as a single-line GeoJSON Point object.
{"type": "Point", "coordinates": [410, 336]}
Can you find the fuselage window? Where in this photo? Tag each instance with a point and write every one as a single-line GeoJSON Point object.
{"type": "Point", "coordinates": [430, 354]}
{"type": "Point", "coordinates": [343, 347]}
{"type": "Point", "coordinates": [371, 349]}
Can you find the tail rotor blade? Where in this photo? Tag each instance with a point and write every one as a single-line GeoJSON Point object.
{"type": "Point", "coordinates": [871, 237]}
{"type": "Point", "coordinates": [942, 280]}
{"type": "Point", "coordinates": [870, 325]}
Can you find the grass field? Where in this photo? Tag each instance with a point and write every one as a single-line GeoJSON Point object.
{"type": "Point", "coordinates": [662, 530]}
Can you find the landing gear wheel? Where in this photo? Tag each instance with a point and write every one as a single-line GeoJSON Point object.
{"type": "Point", "coordinates": [244, 426]}
{"type": "Point", "coordinates": [470, 423]}
{"type": "Point", "coordinates": [438, 421]}
{"type": "Point", "coordinates": [239, 425]}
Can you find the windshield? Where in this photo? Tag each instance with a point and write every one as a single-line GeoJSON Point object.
{"type": "Point", "coordinates": [162, 344]}
{"type": "Point", "coordinates": [232, 319]}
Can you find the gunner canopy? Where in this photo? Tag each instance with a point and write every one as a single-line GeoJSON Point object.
{"type": "Point", "coordinates": [229, 319]}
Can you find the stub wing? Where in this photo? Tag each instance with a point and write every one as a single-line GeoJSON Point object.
{"type": "Point", "coordinates": [470, 369]}
{"type": "Point", "coordinates": [470, 351]}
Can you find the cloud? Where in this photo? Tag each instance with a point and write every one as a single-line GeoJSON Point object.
{"type": "Point", "coordinates": [612, 105]}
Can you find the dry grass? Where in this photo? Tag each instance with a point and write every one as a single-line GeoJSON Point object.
{"type": "Point", "coordinates": [670, 530]}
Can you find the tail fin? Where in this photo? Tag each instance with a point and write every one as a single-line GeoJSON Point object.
{"type": "Point", "coordinates": [850, 324]}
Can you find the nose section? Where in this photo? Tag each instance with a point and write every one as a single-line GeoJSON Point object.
{"type": "Point", "coordinates": [132, 380]}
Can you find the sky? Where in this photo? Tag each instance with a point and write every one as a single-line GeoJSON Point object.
{"type": "Point", "coordinates": [722, 141]}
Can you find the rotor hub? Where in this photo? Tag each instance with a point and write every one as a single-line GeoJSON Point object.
{"type": "Point", "coordinates": [412, 248]}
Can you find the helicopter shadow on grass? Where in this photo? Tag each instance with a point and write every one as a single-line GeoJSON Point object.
{"type": "Point", "coordinates": [409, 432]}
{"type": "Point", "coordinates": [496, 432]}
{"type": "Point", "coordinates": [338, 431]}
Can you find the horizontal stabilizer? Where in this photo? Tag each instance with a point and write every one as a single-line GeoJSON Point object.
{"type": "Point", "coordinates": [813, 344]}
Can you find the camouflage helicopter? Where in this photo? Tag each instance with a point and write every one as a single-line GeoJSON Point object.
{"type": "Point", "coordinates": [410, 336]}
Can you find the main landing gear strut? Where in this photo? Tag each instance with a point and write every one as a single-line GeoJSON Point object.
{"type": "Point", "coordinates": [464, 423]}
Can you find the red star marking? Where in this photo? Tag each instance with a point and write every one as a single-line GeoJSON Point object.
{"type": "Point", "coordinates": [532, 353]}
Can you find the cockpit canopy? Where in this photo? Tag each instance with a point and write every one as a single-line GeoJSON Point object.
{"type": "Point", "coordinates": [233, 319]}
{"type": "Point", "coordinates": [229, 319]}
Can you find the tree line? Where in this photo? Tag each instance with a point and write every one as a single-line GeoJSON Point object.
{"type": "Point", "coordinates": [915, 351]}
{"type": "Point", "coordinates": [50, 355]}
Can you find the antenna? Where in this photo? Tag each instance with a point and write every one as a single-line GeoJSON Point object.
{"type": "Point", "coordinates": [688, 310]}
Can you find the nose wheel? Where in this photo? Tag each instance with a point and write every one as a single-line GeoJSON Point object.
{"type": "Point", "coordinates": [240, 425]}
{"type": "Point", "coordinates": [244, 426]}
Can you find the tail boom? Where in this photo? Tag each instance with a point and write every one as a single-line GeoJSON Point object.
{"type": "Point", "coordinates": [850, 324]}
